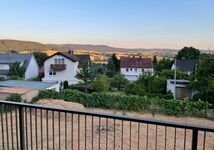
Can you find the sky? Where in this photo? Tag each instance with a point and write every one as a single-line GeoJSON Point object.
{"type": "Point", "coordinates": [119, 23]}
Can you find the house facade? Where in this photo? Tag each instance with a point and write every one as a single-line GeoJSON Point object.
{"type": "Point", "coordinates": [132, 67]}
{"type": "Point", "coordinates": [28, 61]}
{"type": "Point", "coordinates": [62, 67]}
{"type": "Point", "coordinates": [179, 89]}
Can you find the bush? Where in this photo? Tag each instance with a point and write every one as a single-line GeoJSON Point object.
{"type": "Point", "coordinates": [65, 85]}
{"type": "Point", "coordinates": [130, 102]}
{"type": "Point", "coordinates": [134, 89]}
{"type": "Point", "coordinates": [14, 98]}
{"type": "Point", "coordinates": [101, 83]}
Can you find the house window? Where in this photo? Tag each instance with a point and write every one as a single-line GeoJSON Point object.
{"type": "Point", "coordinates": [127, 69]}
{"type": "Point", "coordinates": [51, 72]}
{"type": "Point", "coordinates": [142, 70]}
{"type": "Point", "coordinates": [130, 69]}
{"type": "Point", "coordinates": [135, 69]}
{"type": "Point", "coordinates": [59, 61]}
{"type": "Point", "coordinates": [62, 61]}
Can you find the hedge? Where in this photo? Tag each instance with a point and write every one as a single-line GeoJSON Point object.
{"type": "Point", "coordinates": [129, 102]}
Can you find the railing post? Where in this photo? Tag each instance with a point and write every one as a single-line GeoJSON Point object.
{"type": "Point", "coordinates": [21, 125]}
{"type": "Point", "coordinates": [194, 139]}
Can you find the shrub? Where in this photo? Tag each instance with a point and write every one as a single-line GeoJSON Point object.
{"type": "Point", "coordinates": [101, 83]}
{"type": "Point", "coordinates": [130, 102]}
{"type": "Point", "coordinates": [14, 98]}
{"type": "Point", "coordinates": [65, 85]}
{"type": "Point", "coordinates": [134, 89]}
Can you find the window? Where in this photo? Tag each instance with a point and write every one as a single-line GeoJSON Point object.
{"type": "Point", "coordinates": [59, 61]}
{"type": "Point", "coordinates": [51, 72]}
{"type": "Point", "coordinates": [130, 69]}
{"type": "Point", "coordinates": [142, 70]}
{"type": "Point", "coordinates": [135, 69]}
{"type": "Point", "coordinates": [62, 61]}
{"type": "Point", "coordinates": [127, 69]}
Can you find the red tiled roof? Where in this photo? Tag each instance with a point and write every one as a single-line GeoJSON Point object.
{"type": "Point", "coordinates": [134, 62]}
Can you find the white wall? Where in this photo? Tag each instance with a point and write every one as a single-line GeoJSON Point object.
{"type": "Point", "coordinates": [134, 73]}
{"type": "Point", "coordinates": [4, 67]}
{"type": "Point", "coordinates": [66, 75]}
{"type": "Point", "coordinates": [32, 69]}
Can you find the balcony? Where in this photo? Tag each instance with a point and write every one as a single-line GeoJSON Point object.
{"type": "Point", "coordinates": [58, 67]}
{"type": "Point", "coordinates": [27, 126]}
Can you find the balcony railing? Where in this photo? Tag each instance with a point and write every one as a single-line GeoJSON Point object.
{"type": "Point", "coordinates": [58, 67]}
{"type": "Point", "coordinates": [26, 126]}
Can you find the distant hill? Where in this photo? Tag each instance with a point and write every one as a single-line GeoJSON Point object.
{"type": "Point", "coordinates": [6, 45]}
{"type": "Point", "coordinates": [20, 45]}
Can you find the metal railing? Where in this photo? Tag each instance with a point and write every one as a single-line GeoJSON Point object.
{"type": "Point", "coordinates": [27, 127]}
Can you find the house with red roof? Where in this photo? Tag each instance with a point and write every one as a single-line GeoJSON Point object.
{"type": "Point", "coordinates": [133, 67]}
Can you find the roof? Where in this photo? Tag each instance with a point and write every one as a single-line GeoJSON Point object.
{"type": "Point", "coordinates": [9, 58]}
{"type": "Point", "coordinates": [186, 65]}
{"type": "Point", "coordinates": [26, 84]}
{"type": "Point", "coordinates": [18, 90]}
{"type": "Point", "coordinates": [136, 62]}
{"type": "Point", "coordinates": [83, 58]}
{"type": "Point", "coordinates": [66, 55]}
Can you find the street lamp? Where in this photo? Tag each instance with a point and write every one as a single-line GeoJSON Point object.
{"type": "Point", "coordinates": [175, 78]}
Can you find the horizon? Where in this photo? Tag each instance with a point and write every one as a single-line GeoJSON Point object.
{"type": "Point", "coordinates": [131, 24]}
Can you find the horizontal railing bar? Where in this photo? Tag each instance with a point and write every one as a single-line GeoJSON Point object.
{"type": "Point", "coordinates": [111, 116]}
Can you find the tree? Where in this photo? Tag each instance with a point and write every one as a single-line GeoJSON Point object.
{"type": "Point", "coordinates": [204, 78]}
{"type": "Point", "coordinates": [163, 64]}
{"type": "Point", "coordinates": [40, 58]}
{"type": "Point", "coordinates": [152, 84]}
{"type": "Point", "coordinates": [169, 74]}
{"type": "Point", "coordinates": [101, 83]}
{"type": "Point", "coordinates": [16, 70]}
{"type": "Point", "coordinates": [155, 60]}
{"type": "Point", "coordinates": [134, 89]}
{"type": "Point", "coordinates": [118, 81]}
{"type": "Point", "coordinates": [85, 75]}
{"type": "Point", "coordinates": [188, 53]}
{"type": "Point", "coordinates": [113, 65]}
{"type": "Point", "coordinates": [65, 85]}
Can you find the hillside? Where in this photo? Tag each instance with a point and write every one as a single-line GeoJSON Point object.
{"type": "Point", "coordinates": [20, 45]}
{"type": "Point", "coordinates": [6, 45]}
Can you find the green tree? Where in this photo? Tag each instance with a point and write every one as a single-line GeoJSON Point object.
{"type": "Point", "coordinates": [204, 78]}
{"type": "Point", "coordinates": [163, 64]}
{"type": "Point", "coordinates": [40, 58]}
{"type": "Point", "coordinates": [134, 89]}
{"type": "Point", "coordinates": [65, 85]}
{"type": "Point", "coordinates": [113, 66]}
{"type": "Point", "coordinates": [118, 81]}
{"type": "Point", "coordinates": [155, 61]}
{"type": "Point", "coordinates": [16, 70]}
{"type": "Point", "coordinates": [188, 53]}
{"type": "Point", "coordinates": [101, 83]}
{"type": "Point", "coordinates": [85, 75]}
{"type": "Point", "coordinates": [169, 74]}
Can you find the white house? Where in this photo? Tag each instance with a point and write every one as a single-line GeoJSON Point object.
{"type": "Point", "coordinates": [28, 61]}
{"type": "Point", "coordinates": [133, 67]}
{"type": "Point", "coordinates": [182, 91]}
{"type": "Point", "coordinates": [62, 67]}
